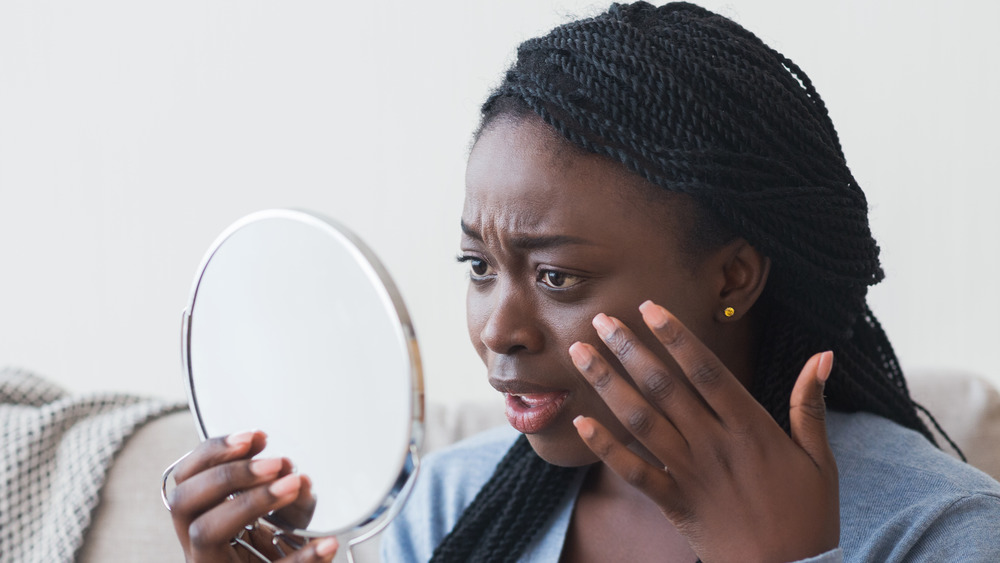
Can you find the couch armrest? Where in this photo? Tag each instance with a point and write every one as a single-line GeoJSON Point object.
{"type": "Point", "coordinates": [131, 523]}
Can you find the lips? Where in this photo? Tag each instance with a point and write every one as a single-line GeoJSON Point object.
{"type": "Point", "coordinates": [530, 414]}
{"type": "Point", "coordinates": [530, 408]}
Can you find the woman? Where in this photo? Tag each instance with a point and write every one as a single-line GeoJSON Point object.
{"type": "Point", "coordinates": [668, 267]}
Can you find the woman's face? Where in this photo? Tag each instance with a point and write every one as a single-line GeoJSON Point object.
{"type": "Point", "coordinates": [553, 237]}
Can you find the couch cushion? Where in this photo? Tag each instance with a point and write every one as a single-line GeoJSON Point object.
{"type": "Point", "coordinates": [968, 408]}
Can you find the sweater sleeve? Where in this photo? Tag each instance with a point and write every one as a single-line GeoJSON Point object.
{"type": "Point", "coordinates": [966, 530]}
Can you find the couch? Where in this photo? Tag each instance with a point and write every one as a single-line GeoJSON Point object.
{"type": "Point", "coordinates": [131, 523]}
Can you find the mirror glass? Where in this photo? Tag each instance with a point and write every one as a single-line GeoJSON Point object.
{"type": "Point", "coordinates": [294, 328]}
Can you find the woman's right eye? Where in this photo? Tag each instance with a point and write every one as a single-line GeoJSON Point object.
{"type": "Point", "coordinates": [479, 269]}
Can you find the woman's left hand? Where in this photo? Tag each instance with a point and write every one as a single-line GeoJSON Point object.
{"type": "Point", "coordinates": [729, 479]}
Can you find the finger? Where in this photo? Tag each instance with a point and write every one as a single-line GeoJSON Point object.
{"type": "Point", "coordinates": [807, 414]}
{"type": "Point", "coordinates": [213, 485]}
{"type": "Point", "coordinates": [716, 384]}
{"type": "Point", "coordinates": [300, 512]}
{"type": "Point", "coordinates": [670, 393]}
{"type": "Point", "coordinates": [317, 550]}
{"type": "Point", "coordinates": [654, 482]}
{"type": "Point", "coordinates": [218, 450]}
{"type": "Point", "coordinates": [224, 521]}
{"type": "Point", "coordinates": [641, 419]}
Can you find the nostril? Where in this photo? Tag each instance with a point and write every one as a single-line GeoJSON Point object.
{"type": "Point", "coordinates": [511, 327]}
{"type": "Point", "coordinates": [508, 342]}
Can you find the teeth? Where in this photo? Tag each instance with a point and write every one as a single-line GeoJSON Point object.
{"type": "Point", "coordinates": [533, 400]}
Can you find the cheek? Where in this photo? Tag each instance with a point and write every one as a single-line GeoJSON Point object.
{"type": "Point", "coordinates": [567, 326]}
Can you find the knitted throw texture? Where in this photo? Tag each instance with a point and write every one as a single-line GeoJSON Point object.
{"type": "Point", "coordinates": [56, 450]}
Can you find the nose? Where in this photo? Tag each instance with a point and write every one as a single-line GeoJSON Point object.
{"type": "Point", "coordinates": [513, 325]}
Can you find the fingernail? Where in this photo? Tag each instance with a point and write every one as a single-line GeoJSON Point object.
{"type": "Point", "coordinates": [584, 427]}
{"type": "Point", "coordinates": [604, 325]}
{"type": "Point", "coordinates": [825, 366]}
{"type": "Point", "coordinates": [284, 486]}
{"type": "Point", "coordinates": [653, 314]}
{"type": "Point", "coordinates": [265, 467]}
{"type": "Point", "coordinates": [240, 438]}
{"type": "Point", "coordinates": [580, 354]}
{"type": "Point", "coordinates": [326, 547]}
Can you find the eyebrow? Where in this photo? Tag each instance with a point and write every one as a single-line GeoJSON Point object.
{"type": "Point", "coordinates": [531, 242]}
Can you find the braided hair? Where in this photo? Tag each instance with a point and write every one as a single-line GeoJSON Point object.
{"type": "Point", "coordinates": [697, 105]}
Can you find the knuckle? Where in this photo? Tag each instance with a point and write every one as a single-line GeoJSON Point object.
{"type": "Point", "coordinates": [813, 410]}
{"type": "Point", "coordinates": [670, 336]}
{"type": "Point", "coordinates": [637, 476]}
{"type": "Point", "coordinates": [706, 375]}
{"type": "Point", "coordinates": [604, 449]}
{"type": "Point", "coordinates": [722, 461]}
{"type": "Point", "coordinates": [660, 385]}
{"type": "Point", "coordinates": [640, 421]}
{"type": "Point", "coordinates": [199, 534]}
{"type": "Point", "coordinates": [603, 380]}
{"type": "Point", "coordinates": [621, 344]}
{"type": "Point", "coordinates": [743, 433]}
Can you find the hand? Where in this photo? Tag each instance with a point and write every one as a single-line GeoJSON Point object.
{"type": "Point", "coordinates": [729, 478]}
{"type": "Point", "coordinates": [299, 513]}
{"type": "Point", "coordinates": [206, 519]}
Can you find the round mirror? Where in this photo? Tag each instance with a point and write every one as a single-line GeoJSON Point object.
{"type": "Point", "coordinates": [294, 328]}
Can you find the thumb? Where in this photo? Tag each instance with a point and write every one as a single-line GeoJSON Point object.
{"type": "Point", "coordinates": [807, 416]}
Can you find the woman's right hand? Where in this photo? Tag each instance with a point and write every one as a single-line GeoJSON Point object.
{"type": "Point", "coordinates": [206, 519]}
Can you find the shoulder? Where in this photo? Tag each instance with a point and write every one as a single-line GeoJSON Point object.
{"type": "Point", "coordinates": [875, 453]}
{"type": "Point", "coordinates": [901, 498]}
{"type": "Point", "coordinates": [447, 482]}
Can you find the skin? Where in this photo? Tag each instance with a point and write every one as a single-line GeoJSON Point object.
{"type": "Point", "coordinates": [566, 250]}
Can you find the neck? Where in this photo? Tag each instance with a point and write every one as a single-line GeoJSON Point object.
{"type": "Point", "coordinates": [739, 355]}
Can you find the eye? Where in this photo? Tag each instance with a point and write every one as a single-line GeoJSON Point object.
{"type": "Point", "coordinates": [558, 280]}
{"type": "Point", "coordinates": [478, 268]}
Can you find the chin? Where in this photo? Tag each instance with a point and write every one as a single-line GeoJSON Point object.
{"type": "Point", "coordinates": [561, 449]}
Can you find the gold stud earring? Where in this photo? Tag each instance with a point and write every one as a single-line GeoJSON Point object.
{"type": "Point", "coordinates": [729, 311]}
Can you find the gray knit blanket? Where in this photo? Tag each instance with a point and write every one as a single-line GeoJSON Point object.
{"type": "Point", "coordinates": [56, 450]}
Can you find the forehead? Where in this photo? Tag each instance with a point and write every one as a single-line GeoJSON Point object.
{"type": "Point", "coordinates": [523, 177]}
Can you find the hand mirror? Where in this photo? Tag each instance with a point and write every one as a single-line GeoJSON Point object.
{"type": "Point", "coordinates": [294, 328]}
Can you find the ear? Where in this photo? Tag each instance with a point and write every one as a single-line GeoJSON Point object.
{"type": "Point", "coordinates": [744, 275]}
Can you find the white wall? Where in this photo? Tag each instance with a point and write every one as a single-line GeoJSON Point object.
{"type": "Point", "coordinates": [131, 133]}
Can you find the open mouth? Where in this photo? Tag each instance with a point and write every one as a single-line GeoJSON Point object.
{"type": "Point", "coordinates": [530, 413]}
